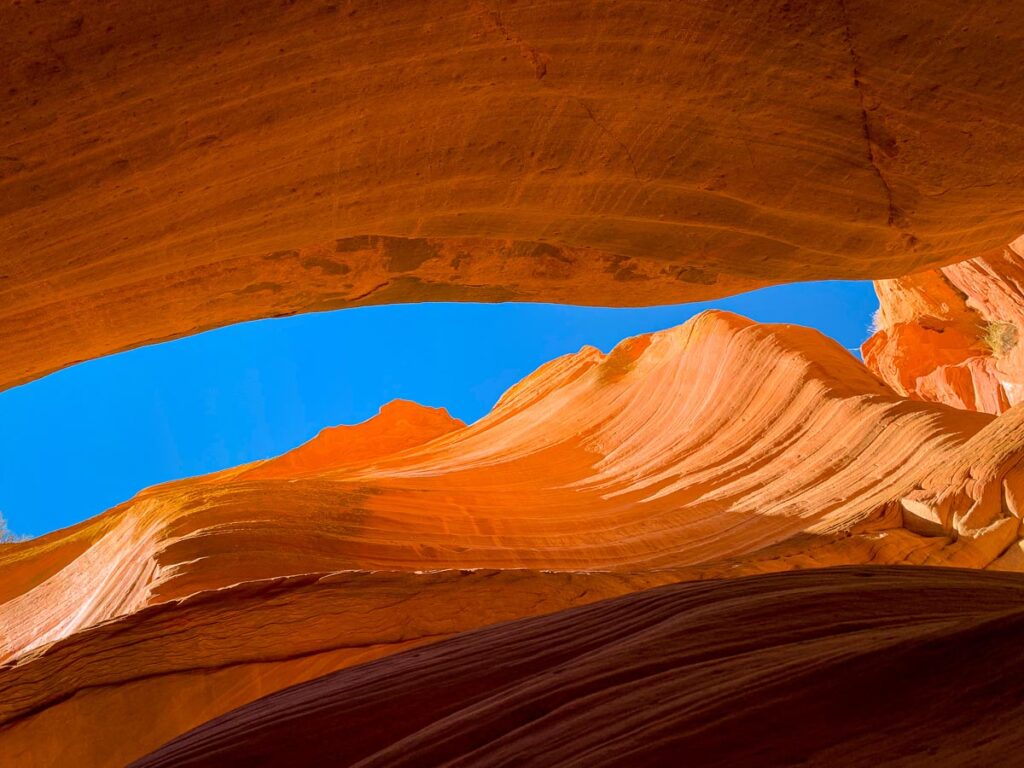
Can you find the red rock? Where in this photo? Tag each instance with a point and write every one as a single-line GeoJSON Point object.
{"type": "Point", "coordinates": [170, 168]}
{"type": "Point", "coordinates": [829, 667]}
{"type": "Point", "coordinates": [713, 440]}
{"type": "Point", "coordinates": [951, 335]}
{"type": "Point", "coordinates": [399, 425]}
{"type": "Point", "coordinates": [109, 694]}
{"type": "Point", "coordinates": [719, 448]}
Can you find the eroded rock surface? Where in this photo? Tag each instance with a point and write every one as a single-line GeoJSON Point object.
{"type": "Point", "coordinates": [953, 335]}
{"type": "Point", "coordinates": [170, 168]}
{"type": "Point", "coordinates": [718, 448]}
{"type": "Point", "coordinates": [831, 667]}
{"type": "Point", "coordinates": [108, 694]}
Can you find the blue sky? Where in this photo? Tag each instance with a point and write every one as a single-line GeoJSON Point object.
{"type": "Point", "coordinates": [84, 439]}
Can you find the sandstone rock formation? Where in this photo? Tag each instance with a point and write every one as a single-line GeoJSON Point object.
{"type": "Point", "coordinates": [170, 168]}
{"type": "Point", "coordinates": [108, 694]}
{"type": "Point", "coordinates": [830, 667]}
{"type": "Point", "coordinates": [594, 461]}
{"type": "Point", "coordinates": [719, 448]}
{"type": "Point", "coordinates": [951, 335]}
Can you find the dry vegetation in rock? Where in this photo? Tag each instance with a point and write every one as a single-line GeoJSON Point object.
{"type": "Point", "coordinates": [7, 536]}
{"type": "Point", "coordinates": [951, 334]}
{"type": "Point", "coordinates": [999, 336]}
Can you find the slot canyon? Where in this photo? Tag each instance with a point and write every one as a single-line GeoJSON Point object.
{"type": "Point", "coordinates": [721, 543]}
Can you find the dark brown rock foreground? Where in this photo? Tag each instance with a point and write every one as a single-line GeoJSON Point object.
{"type": "Point", "coordinates": [833, 667]}
{"type": "Point", "coordinates": [111, 693]}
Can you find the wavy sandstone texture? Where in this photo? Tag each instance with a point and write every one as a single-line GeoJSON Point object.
{"type": "Point", "coordinates": [951, 335]}
{"type": "Point", "coordinates": [169, 168]}
{"type": "Point", "coordinates": [718, 448]}
{"type": "Point", "coordinates": [831, 667]}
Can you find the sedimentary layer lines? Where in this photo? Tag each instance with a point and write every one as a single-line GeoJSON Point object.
{"type": "Point", "coordinates": [829, 667]}
{"type": "Point", "coordinates": [718, 448]}
{"type": "Point", "coordinates": [166, 170]}
{"type": "Point", "coordinates": [713, 440]}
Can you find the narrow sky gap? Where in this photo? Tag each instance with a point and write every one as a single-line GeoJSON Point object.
{"type": "Point", "coordinates": [84, 439]}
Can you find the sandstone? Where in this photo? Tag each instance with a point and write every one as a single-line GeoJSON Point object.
{"type": "Point", "coordinates": [167, 170]}
{"type": "Point", "coordinates": [715, 449]}
{"type": "Point", "coordinates": [1011, 560]}
{"type": "Point", "coordinates": [634, 557]}
{"type": "Point", "coordinates": [926, 515]}
{"type": "Point", "coordinates": [982, 547]}
{"type": "Point", "coordinates": [399, 425]}
{"type": "Point", "coordinates": [109, 694]}
{"type": "Point", "coordinates": [709, 441]}
{"type": "Point", "coordinates": [951, 335]}
{"type": "Point", "coordinates": [829, 667]}
{"type": "Point", "coordinates": [983, 512]}
{"type": "Point", "coordinates": [1013, 493]}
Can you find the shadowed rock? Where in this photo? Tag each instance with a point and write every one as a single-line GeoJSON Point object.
{"type": "Point", "coordinates": [832, 667]}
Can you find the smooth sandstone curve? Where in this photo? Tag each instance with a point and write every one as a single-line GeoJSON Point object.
{"type": "Point", "coordinates": [712, 440]}
{"type": "Point", "coordinates": [716, 449]}
{"type": "Point", "coordinates": [847, 667]}
{"type": "Point", "coordinates": [167, 169]}
{"type": "Point", "coordinates": [111, 693]}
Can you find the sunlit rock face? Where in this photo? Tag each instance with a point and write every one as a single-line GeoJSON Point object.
{"type": "Point", "coordinates": [953, 335]}
{"type": "Point", "coordinates": [715, 449]}
{"type": "Point", "coordinates": [169, 168]}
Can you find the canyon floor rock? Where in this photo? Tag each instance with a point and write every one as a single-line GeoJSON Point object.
{"type": "Point", "coordinates": [831, 667]}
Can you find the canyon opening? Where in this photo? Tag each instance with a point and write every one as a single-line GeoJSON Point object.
{"type": "Point", "coordinates": [534, 383]}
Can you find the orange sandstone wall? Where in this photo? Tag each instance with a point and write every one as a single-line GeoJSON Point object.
{"type": "Point", "coordinates": [953, 335]}
{"type": "Point", "coordinates": [109, 694]}
{"type": "Point", "coordinates": [711, 440]}
{"type": "Point", "coordinates": [170, 168]}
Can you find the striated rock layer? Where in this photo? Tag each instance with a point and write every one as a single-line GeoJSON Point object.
{"type": "Point", "coordinates": [713, 439]}
{"type": "Point", "coordinates": [831, 667]}
{"type": "Point", "coordinates": [108, 694]}
{"type": "Point", "coordinates": [718, 448]}
{"type": "Point", "coordinates": [952, 335]}
{"type": "Point", "coordinates": [169, 168]}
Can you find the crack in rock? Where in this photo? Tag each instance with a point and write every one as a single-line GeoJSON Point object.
{"type": "Point", "coordinates": [538, 59]}
{"type": "Point", "coordinates": [895, 216]}
{"type": "Point", "coordinates": [608, 132]}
